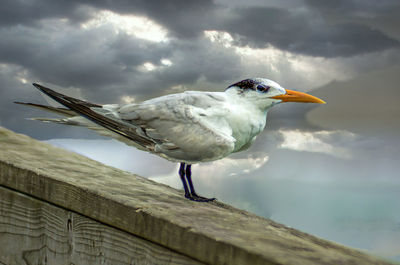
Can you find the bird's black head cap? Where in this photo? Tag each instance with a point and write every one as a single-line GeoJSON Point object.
{"type": "Point", "coordinates": [255, 84]}
{"type": "Point", "coordinates": [244, 84]}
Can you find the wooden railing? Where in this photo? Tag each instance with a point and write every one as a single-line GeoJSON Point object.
{"type": "Point", "coordinates": [57, 207]}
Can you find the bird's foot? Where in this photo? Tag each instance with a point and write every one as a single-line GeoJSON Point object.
{"type": "Point", "coordinates": [197, 198]}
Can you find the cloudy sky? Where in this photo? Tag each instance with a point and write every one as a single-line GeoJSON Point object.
{"type": "Point", "coordinates": [337, 162]}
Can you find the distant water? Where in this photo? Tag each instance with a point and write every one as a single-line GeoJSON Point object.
{"type": "Point", "coordinates": [364, 215]}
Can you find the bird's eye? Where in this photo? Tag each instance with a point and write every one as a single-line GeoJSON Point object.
{"type": "Point", "coordinates": [262, 88]}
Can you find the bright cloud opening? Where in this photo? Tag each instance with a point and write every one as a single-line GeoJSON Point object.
{"type": "Point", "coordinates": [221, 37]}
{"type": "Point", "coordinates": [166, 62]}
{"type": "Point", "coordinates": [22, 80]}
{"type": "Point", "coordinates": [230, 167]}
{"type": "Point", "coordinates": [127, 99]}
{"type": "Point", "coordinates": [22, 76]}
{"type": "Point", "coordinates": [147, 67]}
{"type": "Point", "coordinates": [314, 142]}
{"type": "Point", "coordinates": [138, 26]}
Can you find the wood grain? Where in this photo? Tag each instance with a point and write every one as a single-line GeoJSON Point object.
{"type": "Point", "coordinates": [36, 232]}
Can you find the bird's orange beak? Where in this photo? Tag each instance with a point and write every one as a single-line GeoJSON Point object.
{"type": "Point", "coordinates": [295, 96]}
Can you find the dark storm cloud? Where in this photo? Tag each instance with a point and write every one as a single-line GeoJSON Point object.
{"type": "Point", "coordinates": [299, 30]}
{"type": "Point", "coordinates": [368, 104]}
{"type": "Point", "coordinates": [183, 18]}
{"type": "Point", "coordinates": [86, 59]}
{"type": "Point", "coordinates": [304, 32]}
{"type": "Point", "coordinates": [191, 61]}
{"type": "Point", "coordinates": [289, 116]}
{"type": "Point", "coordinates": [74, 57]}
{"type": "Point", "coordinates": [29, 12]}
{"type": "Point", "coordinates": [202, 59]}
{"type": "Point", "coordinates": [355, 7]}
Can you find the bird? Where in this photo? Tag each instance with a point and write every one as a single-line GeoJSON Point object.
{"type": "Point", "coordinates": [187, 128]}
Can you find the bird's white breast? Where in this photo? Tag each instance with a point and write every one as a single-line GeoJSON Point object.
{"type": "Point", "coordinates": [238, 118]}
{"type": "Point", "coordinates": [231, 116]}
{"type": "Point", "coordinates": [246, 123]}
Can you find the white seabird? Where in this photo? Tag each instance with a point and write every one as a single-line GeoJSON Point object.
{"type": "Point", "coordinates": [187, 128]}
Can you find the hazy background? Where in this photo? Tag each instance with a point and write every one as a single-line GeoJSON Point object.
{"type": "Point", "coordinates": [331, 170]}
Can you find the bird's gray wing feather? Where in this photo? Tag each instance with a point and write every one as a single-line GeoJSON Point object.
{"type": "Point", "coordinates": [182, 125]}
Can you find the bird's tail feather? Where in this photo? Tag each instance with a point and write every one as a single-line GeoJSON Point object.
{"type": "Point", "coordinates": [77, 108]}
{"type": "Point", "coordinates": [61, 111]}
{"type": "Point", "coordinates": [71, 117]}
{"type": "Point", "coordinates": [65, 121]}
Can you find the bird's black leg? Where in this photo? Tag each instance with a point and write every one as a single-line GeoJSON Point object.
{"type": "Point", "coordinates": [193, 193]}
{"type": "Point", "coordinates": [183, 179]}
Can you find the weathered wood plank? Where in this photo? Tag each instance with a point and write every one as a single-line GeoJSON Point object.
{"type": "Point", "coordinates": [212, 233]}
{"type": "Point", "coordinates": [36, 232]}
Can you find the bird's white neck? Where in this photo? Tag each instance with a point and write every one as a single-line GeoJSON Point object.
{"type": "Point", "coordinates": [247, 118]}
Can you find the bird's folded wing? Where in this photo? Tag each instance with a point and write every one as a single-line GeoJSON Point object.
{"type": "Point", "coordinates": [181, 130]}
